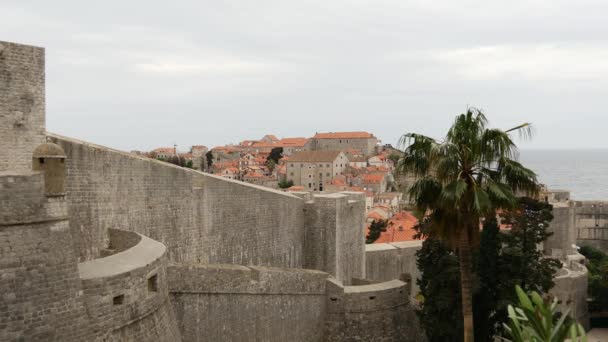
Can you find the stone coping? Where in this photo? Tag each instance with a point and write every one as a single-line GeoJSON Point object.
{"type": "Point", "coordinates": [142, 254]}
{"type": "Point", "coordinates": [387, 285]}
{"type": "Point", "coordinates": [164, 164]}
{"type": "Point", "coordinates": [373, 247]}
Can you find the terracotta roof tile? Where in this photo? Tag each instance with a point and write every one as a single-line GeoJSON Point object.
{"type": "Point", "coordinates": [344, 135]}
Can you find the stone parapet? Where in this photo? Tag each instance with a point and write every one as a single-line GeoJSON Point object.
{"type": "Point", "coordinates": [124, 290]}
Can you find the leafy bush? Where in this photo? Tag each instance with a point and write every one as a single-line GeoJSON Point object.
{"type": "Point", "coordinates": [597, 264]}
{"type": "Point", "coordinates": [535, 320]}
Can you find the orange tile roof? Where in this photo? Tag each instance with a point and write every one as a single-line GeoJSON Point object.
{"type": "Point", "coordinates": [253, 175]}
{"type": "Point", "coordinates": [296, 188]}
{"type": "Point", "coordinates": [292, 142]}
{"type": "Point", "coordinates": [376, 169]}
{"type": "Point", "coordinates": [263, 144]}
{"type": "Point", "coordinates": [371, 179]}
{"type": "Point", "coordinates": [338, 182]}
{"type": "Point", "coordinates": [199, 147]}
{"type": "Point", "coordinates": [164, 150]}
{"type": "Point", "coordinates": [344, 135]}
{"type": "Point", "coordinates": [400, 228]}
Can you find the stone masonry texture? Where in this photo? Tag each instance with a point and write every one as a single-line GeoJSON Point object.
{"type": "Point", "coordinates": [140, 250]}
{"type": "Point", "coordinates": [22, 104]}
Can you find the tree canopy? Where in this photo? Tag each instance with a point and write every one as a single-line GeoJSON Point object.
{"type": "Point", "coordinates": [468, 175]}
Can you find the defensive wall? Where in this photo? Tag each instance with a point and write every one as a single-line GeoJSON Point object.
{"type": "Point", "coordinates": [376, 311]}
{"type": "Point", "coordinates": [100, 245]}
{"type": "Point", "coordinates": [397, 260]}
{"type": "Point", "coordinates": [571, 289]}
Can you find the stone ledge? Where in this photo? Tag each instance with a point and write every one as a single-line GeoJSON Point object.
{"type": "Point", "coordinates": [145, 252]}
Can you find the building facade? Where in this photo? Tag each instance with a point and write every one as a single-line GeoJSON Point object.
{"type": "Point", "coordinates": [315, 169]}
{"type": "Point", "coordinates": [342, 141]}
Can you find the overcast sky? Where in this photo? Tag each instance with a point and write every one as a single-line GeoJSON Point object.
{"type": "Point", "coordinates": [143, 74]}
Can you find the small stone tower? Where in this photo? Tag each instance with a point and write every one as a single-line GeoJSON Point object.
{"type": "Point", "coordinates": [41, 296]}
{"type": "Point", "coordinates": [50, 159]}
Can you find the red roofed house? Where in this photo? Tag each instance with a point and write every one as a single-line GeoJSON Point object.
{"type": "Point", "coordinates": [292, 145]}
{"type": "Point", "coordinates": [381, 161]}
{"type": "Point", "coordinates": [254, 178]}
{"type": "Point", "coordinates": [230, 172]}
{"type": "Point", "coordinates": [400, 228]}
{"type": "Point", "coordinates": [371, 182]}
{"type": "Point", "coordinates": [163, 152]}
{"type": "Point", "coordinates": [343, 141]}
{"type": "Point", "coordinates": [315, 169]}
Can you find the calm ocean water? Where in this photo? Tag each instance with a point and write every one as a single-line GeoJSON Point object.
{"type": "Point", "coordinates": [583, 172]}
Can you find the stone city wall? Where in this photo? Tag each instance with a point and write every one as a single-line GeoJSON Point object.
{"type": "Point", "coordinates": [397, 260]}
{"type": "Point", "coordinates": [126, 293]}
{"type": "Point", "coordinates": [571, 290]}
{"type": "Point", "coordinates": [591, 223]}
{"type": "Point", "coordinates": [334, 241]}
{"type": "Point", "coordinates": [374, 312]}
{"type": "Point", "coordinates": [199, 217]}
{"type": "Point", "coordinates": [238, 303]}
{"type": "Point", "coordinates": [40, 293]}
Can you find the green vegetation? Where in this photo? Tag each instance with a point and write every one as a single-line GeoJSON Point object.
{"type": "Point", "coordinates": [275, 154]}
{"type": "Point", "coordinates": [502, 261]}
{"type": "Point", "coordinates": [465, 177]}
{"type": "Point", "coordinates": [597, 265]}
{"type": "Point", "coordinates": [535, 320]}
{"type": "Point", "coordinates": [209, 158]}
{"type": "Point", "coordinates": [285, 184]}
{"type": "Point", "coordinates": [394, 157]}
{"type": "Point", "coordinates": [375, 230]}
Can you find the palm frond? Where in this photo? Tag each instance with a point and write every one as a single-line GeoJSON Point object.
{"type": "Point", "coordinates": [525, 130]}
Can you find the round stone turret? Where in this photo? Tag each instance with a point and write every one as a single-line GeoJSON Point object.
{"type": "Point", "coordinates": [50, 159]}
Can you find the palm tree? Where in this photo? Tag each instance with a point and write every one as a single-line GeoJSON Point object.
{"type": "Point", "coordinates": [462, 179]}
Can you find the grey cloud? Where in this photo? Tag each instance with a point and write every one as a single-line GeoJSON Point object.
{"type": "Point", "coordinates": [140, 74]}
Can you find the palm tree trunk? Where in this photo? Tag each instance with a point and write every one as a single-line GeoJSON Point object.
{"type": "Point", "coordinates": [466, 284]}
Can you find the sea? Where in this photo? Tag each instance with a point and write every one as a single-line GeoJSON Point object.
{"type": "Point", "coordinates": [583, 172]}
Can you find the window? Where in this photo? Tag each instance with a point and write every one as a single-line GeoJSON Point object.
{"type": "Point", "coordinates": [320, 174]}
{"type": "Point", "coordinates": [291, 165]}
{"type": "Point", "coordinates": [153, 283]}
{"type": "Point", "coordinates": [320, 165]}
{"type": "Point", "coordinates": [118, 300]}
{"type": "Point", "coordinates": [291, 173]}
{"type": "Point", "coordinates": [309, 176]}
{"type": "Point", "coordinates": [301, 165]}
{"type": "Point", "coordinates": [309, 185]}
{"type": "Point", "coordinates": [327, 165]}
{"type": "Point", "coordinates": [328, 174]}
